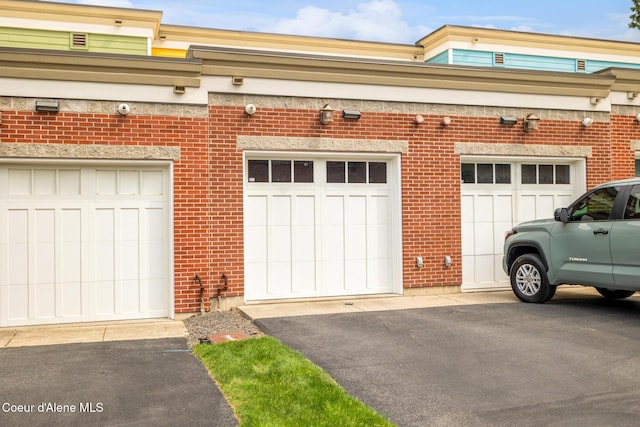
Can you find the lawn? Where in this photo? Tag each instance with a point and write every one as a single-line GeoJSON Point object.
{"type": "Point", "coordinates": [269, 384]}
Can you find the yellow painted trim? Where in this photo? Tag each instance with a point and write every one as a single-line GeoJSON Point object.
{"type": "Point", "coordinates": [169, 53]}
{"type": "Point", "coordinates": [282, 42]}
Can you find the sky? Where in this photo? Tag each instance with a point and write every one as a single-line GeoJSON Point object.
{"type": "Point", "coordinates": [394, 21]}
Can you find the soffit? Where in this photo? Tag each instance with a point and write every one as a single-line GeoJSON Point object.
{"type": "Point", "coordinates": [252, 63]}
{"type": "Point", "coordinates": [105, 68]}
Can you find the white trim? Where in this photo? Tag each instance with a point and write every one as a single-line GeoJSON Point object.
{"type": "Point", "coordinates": [119, 92]}
{"type": "Point", "coordinates": [282, 88]}
{"type": "Point", "coordinates": [76, 27]}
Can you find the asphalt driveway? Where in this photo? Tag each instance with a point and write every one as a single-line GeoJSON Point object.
{"type": "Point", "coordinates": [564, 363]}
{"type": "Point", "coordinates": [134, 383]}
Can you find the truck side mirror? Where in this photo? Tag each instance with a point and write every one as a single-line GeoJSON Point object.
{"type": "Point", "coordinates": [561, 214]}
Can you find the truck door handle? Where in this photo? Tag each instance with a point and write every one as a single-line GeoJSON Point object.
{"type": "Point", "coordinates": [600, 231]}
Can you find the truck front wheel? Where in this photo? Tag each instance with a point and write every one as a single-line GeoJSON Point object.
{"type": "Point", "coordinates": [529, 280]}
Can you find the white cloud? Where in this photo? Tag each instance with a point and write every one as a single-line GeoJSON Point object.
{"type": "Point", "coordinates": [377, 20]}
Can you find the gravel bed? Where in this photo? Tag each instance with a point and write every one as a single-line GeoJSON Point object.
{"type": "Point", "coordinates": [200, 326]}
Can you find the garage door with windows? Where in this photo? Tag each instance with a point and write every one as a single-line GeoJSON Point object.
{"type": "Point", "coordinates": [496, 195]}
{"type": "Point", "coordinates": [83, 243]}
{"type": "Point", "coordinates": [320, 226]}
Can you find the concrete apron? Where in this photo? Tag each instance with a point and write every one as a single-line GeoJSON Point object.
{"type": "Point", "coordinates": [70, 333]}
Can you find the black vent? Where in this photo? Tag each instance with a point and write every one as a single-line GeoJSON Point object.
{"type": "Point", "coordinates": [581, 65]}
{"type": "Point", "coordinates": [78, 40]}
{"type": "Point", "coordinates": [498, 58]}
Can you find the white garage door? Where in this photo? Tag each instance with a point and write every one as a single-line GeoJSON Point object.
{"type": "Point", "coordinates": [320, 227]}
{"type": "Point", "coordinates": [499, 194]}
{"type": "Point", "coordinates": [83, 243]}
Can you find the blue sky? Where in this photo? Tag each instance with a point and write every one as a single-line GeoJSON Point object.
{"type": "Point", "coordinates": [395, 21]}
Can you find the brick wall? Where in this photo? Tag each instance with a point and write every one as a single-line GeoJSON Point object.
{"type": "Point", "coordinates": [191, 173]}
{"type": "Point", "coordinates": [208, 179]}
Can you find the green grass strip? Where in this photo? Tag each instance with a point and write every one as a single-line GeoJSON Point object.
{"type": "Point", "coordinates": [269, 384]}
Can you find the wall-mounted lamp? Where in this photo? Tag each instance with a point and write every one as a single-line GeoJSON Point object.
{"type": "Point", "coordinates": [419, 262]}
{"type": "Point", "coordinates": [418, 119]}
{"type": "Point", "coordinates": [124, 109]}
{"type": "Point", "coordinates": [237, 80]}
{"type": "Point", "coordinates": [587, 121]}
{"type": "Point", "coordinates": [326, 114]}
{"type": "Point", "coordinates": [250, 109]}
{"type": "Point", "coordinates": [508, 120]}
{"type": "Point", "coordinates": [632, 95]}
{"type": "Point", "coordinates": [638, 117]}
{"type": "Point", "coordinates": [594, 100]}
{"type": "Point", "coordinates": [447, 261]}
{"type": "Point", "coordinates": [351, 114]}
{"type": "Point", "coordinates": [531, 122]}
{"type": "Point", "coordinates": [49, 106]}
{"type": "Point", "coordinates": [179, 89]}
{"type": "Point", "coordinates": [446, 121]}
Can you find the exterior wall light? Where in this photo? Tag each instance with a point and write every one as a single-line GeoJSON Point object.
{"type": "Point", "coordinates": [51, 106]}
{"type": "Point", "coordinates": [508, 120]}
{"type": "Point", "coordinates": [446, 121]}
{"type": "Point", "coordinates": [351, 114]}
{"type": "Point", "coordinates": [587, 121]}
{"type": "Point", "coordinates": [637, 117]}
{"type": "Point", "coordinates": [326, 115]}
{"type": "Point", "coordinates": [531, 122]}
{"type": "Point", "coordinates": [418, 119]}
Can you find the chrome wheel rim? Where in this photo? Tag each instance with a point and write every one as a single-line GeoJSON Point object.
{"type": "Point", "coordinates": [528, 280]}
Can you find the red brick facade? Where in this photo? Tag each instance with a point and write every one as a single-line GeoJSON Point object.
{"type": "Point", "coordinates": [208, 177]}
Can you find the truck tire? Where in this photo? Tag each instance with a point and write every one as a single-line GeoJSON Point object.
{"type": "Point", "coordinates": [529, 280]}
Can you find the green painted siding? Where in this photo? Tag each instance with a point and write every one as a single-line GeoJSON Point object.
{"type": "Point", "coordinates": [61, 40]}
{"type": "Point", "coordinates": [441, 58]}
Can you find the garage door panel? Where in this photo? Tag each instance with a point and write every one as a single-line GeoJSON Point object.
{"type": "Point", "coordinates": [74, 254]}
{"type": "Point", "coordinates": [492, 206]}
{"type": "Point", "coordinates": [334, 233]}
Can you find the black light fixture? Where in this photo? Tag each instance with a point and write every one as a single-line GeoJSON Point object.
{"type": "Point", "coordinates": [508, 120]}
{"type": "Point", "coordinates": [49, 106]}
{"type": "Point", "coordinates": [351, 114]}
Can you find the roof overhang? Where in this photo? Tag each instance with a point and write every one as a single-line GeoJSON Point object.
{"type": "Point", "coordinates": [104, 68]}
{"type": "Point", "coordinates": [321, 68]}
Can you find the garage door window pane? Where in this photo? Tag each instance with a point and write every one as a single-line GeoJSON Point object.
{"type": "Point", "coordinates": [503, 174]}
{"type": "Point", "coordinates": [281, 171]}
{"type": "Point", "coordinates": [335, 172]}
{"type": "Point", "coordinates": [562, 174]}
{"type": "Point", "coordinates": [529, 174]}
{"type": "Point", "coordinates": [303, 171]}
{"type": "Point", "coordinates": [485, 173]}
{"type": "Point", "coordinates": [468, 171]}
{"type": "Point", "coordinates": [545, 174]}
{"type": "Point", "coordinates": [357, 172]}
{"type": "Point", "coordinates": [258, 170]}
{"type": "Point", "coordinates": [377, 173]}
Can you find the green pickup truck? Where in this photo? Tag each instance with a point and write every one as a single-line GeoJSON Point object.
{"type": "Point", "coordinates": [593, 242]}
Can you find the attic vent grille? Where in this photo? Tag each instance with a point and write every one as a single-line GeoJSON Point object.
{"type": "Point", "coordinates": [78, 40]}
{"type": "Point", "coordinates": [581, 65]}
{"type": "Point", "coordinates": [498, 58]}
